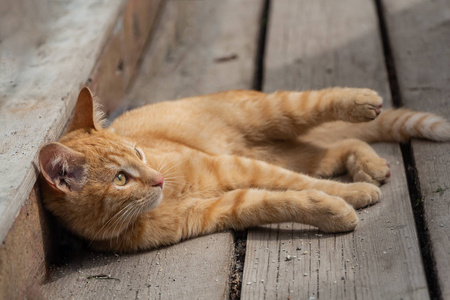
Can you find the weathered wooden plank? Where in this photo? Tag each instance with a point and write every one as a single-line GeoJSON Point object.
{"type": "Point", "coordinates": [419, 34]}
{"type": "Point", "coordinates": [315, 44]}
{"type": "Point", "coordinates": [187, 59]}
{"type": "Point", "coordinates": [181, 60]}
{"type": "Point", "coordinates": [47, 51]}
{"type": "Point", "coordinates": [118, 62]}
{"type": "Point", "coordinates": [192, 270]}
{"type": "Point", "coordinates": [23, 252]}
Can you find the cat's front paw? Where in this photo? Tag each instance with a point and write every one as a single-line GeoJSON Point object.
{"type": "Point", "coordinates": [342, 218]}
{"type": "Point", "coordinates": [329, 213]}
{"type": "Point", "coordinates": [368, 168]}
{"type": "Point", "coordinates": [360, 105]}
{"type": "Point", "coordinates": [361, 194]}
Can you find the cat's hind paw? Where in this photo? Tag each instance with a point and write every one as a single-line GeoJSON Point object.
{"type": "Point", "coordinates": [361, 194]}
{"type": "Point", "coordinates": [374, 170]}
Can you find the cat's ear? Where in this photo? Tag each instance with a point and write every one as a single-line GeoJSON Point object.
{"type": "Point", "coordinates": [86, 114]}
{"type": "Point", "coordinates": [62, 167]}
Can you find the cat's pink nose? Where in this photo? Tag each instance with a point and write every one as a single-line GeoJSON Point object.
{"type": "Point", "coordinates": [159, 181]}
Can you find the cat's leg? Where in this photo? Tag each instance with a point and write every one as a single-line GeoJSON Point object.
{"type": "Point", "coordinates": [284, 115]}
{"type": "Point", "coordinates": [357, 158]}
{"type": "Point", "coordinates": [245, 208]}
{"type": "Point", "coordinates": [234, 172]}
{"type": "Point", "coordinates": [237, 209]}
{"type": "Point", "coordinates": [327, 160]}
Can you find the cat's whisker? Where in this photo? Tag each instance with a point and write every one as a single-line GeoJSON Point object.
{"type": "Point", "coordinates": [170, 161]}
{"type": "Point", "coordinates": [123, 219]}
{"type": "Point", "coordinates": [169, 186]}
{"type": "Point", "coordinates": [127, 219]}
{"type": "Point", "coordinates": [108, 222]}
{"type": "Point", "coordinates": [183, 161]}
{"type": "Point", "coordinates": [136, 211]}
{"type": "Point", "coordinates": [174, 173]}
{"type": "Point", "coordinates": [135, 214]}
{"type": "Point", "coordinates": [166, 163]}
{"type": "Point", "coordinates": [172, 181]}
{"type": "Point", "coordinates": [178, 180]}
{"type": "Point", "coordinates": [175, 177]}
{"type": "Point", "coordinates": [174, 186]}
{"type": "Point", "coordinates": [162, 159]}
{"type": "Point", "coordinates": [181, 178]}
{"type": "Point", "coordinates": [112, 220]}
{"type": "Point", "coordinates": [113, 225]}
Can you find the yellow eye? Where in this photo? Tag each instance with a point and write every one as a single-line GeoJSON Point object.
{"type": "Point", "coordinates": [120, 179]}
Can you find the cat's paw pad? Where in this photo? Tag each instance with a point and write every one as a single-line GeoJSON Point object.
{"type": "Point", "coordinates": [361, 194]}
{"type": "Point", "coordinates": [371, 169]}
{"type": "Point", "coordinates": [363, 105]}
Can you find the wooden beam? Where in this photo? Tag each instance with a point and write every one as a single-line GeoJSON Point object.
{"type": "Point", "coordinates": [316, 44]}
{"type": "Point", "coordinates": [119, 60]}
{"type": "Point", "coordinates": [48, 54]}
{"type": "Point", "coordinates": [419, 35]}
{"type": "Point", "coordinates": [24, 252]}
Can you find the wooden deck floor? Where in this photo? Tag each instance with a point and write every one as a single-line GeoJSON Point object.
{"type": "Point", "coordinates": [400, 250]}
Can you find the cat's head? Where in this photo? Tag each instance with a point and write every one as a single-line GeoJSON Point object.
{"type": "Point", "coordinates": [93, 180]}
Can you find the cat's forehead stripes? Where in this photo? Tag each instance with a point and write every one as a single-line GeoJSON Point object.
{"type": "Point", "coordinates": [117, 159]}
{"type": "Point", "coordinates": [122, 164]}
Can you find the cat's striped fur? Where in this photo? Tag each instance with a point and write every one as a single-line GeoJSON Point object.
{"type": "Point", "coordinates": [230, 160]}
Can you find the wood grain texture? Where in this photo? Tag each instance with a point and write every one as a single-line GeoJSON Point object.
{"type": "Point", "coordinates": [419, 34]}
{"type": "Point", "coordinates": [315, 45]}
{"type": "Point", "coordinates": [194, 269]}
{"type": "Point", "coordinates": [119, 60]}
{"type": "Point", "coordinates": [47, 52]}
{"type": "Point", "coordinates": [178, 63]}
{"type": "Point", "coordinates": [24, 252]}
{"type": "Point", "coordinates": [210, 48]}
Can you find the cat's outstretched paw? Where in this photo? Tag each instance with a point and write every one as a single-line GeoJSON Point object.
{"type": "Point", "coordinates": [361, 194]}
{"type": "Point", "coordinates": [368, 168]}
{"type": "Point", "coordinates": [330, 213]}
{"type": "Point", "coordinates": [360, 105]}
{"type": "Point", "coordinates": [342, 218]}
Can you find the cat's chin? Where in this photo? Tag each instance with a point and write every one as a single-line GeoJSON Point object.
{"type": "Point", "coordinates": [153, 203]}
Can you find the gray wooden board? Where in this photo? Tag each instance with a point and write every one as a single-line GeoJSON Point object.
{"type": "Point", "coordinates": [194, 269]}
{"type": "Point", "coordinates": [180, 61]}
{"type": "Point", "coordinates": [315, 44]}
{"type": "Point", "coordinates": [46, 55]}
{"type": "Point", "coordinates": [419, 34]}
{"type": "Point", "coordinates": [208, 53]}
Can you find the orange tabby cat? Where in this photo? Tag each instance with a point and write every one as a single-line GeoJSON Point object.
{"type": "Point", "coordinates": [174, 170]}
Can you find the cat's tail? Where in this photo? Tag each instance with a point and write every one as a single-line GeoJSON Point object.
{"type": "Point", "coordinates": [392, 125]}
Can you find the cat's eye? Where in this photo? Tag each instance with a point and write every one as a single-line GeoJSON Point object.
{"type": "Point", "coordinates": [120, 179]}
{"type": "Point", "coordinates": [139, 154]}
